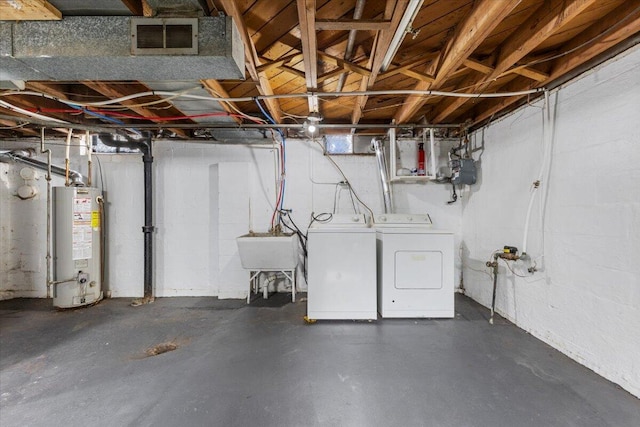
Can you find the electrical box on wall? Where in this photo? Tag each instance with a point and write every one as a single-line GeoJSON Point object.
{"type": "Point", "coordinates": [463, 171]}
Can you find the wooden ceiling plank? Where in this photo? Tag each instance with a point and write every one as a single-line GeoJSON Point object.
{"type": "Point", "coordinates": [251, 59]}
{"type": "Point", "coordinates": [351, 66]}
{"type": "Point", "coordinates": [268, 65]}
{"type": "Point", "coordinates": [594, 45]}
{"type": "Point", "coordinates": [394, 10]}
{"type": "Point", "coordinates": [530, 73]}
{"type": "Point", "coordinates": [469, 34]}
{"type": "Point", "coordinates": [546, 21]}
{"type": "Point", "coordinates": [352, 24]}
{"type": "Point", "coordinates": [626, 21]}
{"type": "Point", "coordinates": [29, 10]}
{"type": "Point", "coordinates": [418, 76]}
{"type": "Point", "coordinates": [135, 6]}
{"type": "Point", "coordinates": [307, 20]}
{"type": "Point", "coordinates": [478, 66]}
{"type": "Point", "coordinates": [478, 25]}
{"type": "Point", "coordinates": [294, 71]}
{"type": "Point", "coordinates": [13, 126]}
{"type": "Point", "coordinates": [400, 69]}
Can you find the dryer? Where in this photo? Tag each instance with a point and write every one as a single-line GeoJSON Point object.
{"type": "Point", "coordinates": [415, 267]}
{"type": "Point", "coordinates": [341, 275]}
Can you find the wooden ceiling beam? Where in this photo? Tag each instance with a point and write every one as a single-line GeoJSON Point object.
{"type": "Point", "coordinates": [307, 21]}
{"type": "Point", "coordinates": [268, 65]}
{"type": "Point", "coordinates": [529, 73]}
{"type": "Point", "coordinates": [350, 66]}
{"type": "Point", "coordinates": [394, 10]}
{"type": "Point", "coordinates": [352, 24]}
{"type": "Point", "coordinates": [215, 88]}
{"type": "Point", "coordinates": [135, 6]}
{"type": "Point", "coordinates": [418, 76]}
{"type": "Point", "coordinates": [117, 91]}
{"type": "Point", "coordinates": [469, 34]}
{"type": "Point", "coordinates": [29, 10]}
{"type": "Point", "coordinates": [546, 21]}
{"type": "Point", "coordinates": [590, 43]}
{"type": "Point", "coordinates": [400, 69]}
{"type": "Point", "coordinates": [251, 59]}
{"type": "Point", "coordinates": [14, 126]}
{"type": "Point", "coordinates": [626, 21]}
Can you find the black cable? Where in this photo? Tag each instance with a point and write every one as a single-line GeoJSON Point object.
{"type": "Point", "coordinates": [454, 196]}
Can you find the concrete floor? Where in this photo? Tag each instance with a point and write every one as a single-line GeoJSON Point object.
{"type": "Point", "coordinates": [244, 366]}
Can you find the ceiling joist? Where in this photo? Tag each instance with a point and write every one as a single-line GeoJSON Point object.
{"type": "Point", "coordinates": [29, 10]}
{"type": "Point", "coordinates": [394, 11]}
{"type": "Point", "coordinates": [307, 21]}
{"type": "Point", "coordinates": [607, 32]}
{"type": "Point", "coordinates": [546, 22]}
{"type": "Point", "coordinates": [479, 24]}
{"type": "Point", "coordinates": [352, 24]}
{"type": "Point", "coordinates": [252, 61]}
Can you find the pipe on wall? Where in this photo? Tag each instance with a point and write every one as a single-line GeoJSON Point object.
{"type": "Point", "coordinates": [144, 145]}
{"type": "Point", "coordinates": [24, 157]}
{"type": "Point", "coordinates": [384, 175]}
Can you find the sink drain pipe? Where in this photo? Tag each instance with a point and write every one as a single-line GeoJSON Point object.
{"type": "Point", "coordinates": [144, 145]}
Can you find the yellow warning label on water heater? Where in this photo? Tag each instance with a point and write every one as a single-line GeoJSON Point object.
{"type": "Point", "coordinates": [95, 219]}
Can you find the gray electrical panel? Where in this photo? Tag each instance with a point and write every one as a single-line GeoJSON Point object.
{"type": "Point", "coordinates": [76, 247]}
{"type": "Point", "coordinates": [463, 171]}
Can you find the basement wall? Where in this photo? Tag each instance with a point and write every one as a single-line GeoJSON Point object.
{"type": "Point", "coordinates": [205, 196]}
{"type": "Point", "coordinates": [585, 300]}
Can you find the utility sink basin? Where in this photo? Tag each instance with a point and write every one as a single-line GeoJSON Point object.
{"type": "Point", "coordinates": [266, 251]}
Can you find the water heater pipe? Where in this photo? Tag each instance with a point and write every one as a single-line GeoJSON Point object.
{"type": "Point", "coordinates": [144, 145]}
{"type": "Point", "coordinates": [67, 149]}
{"type": "Point", "coordinates": [48, 178]}
{"type": "Point", "coordinates": [384, 175]}
{"type": "Point", "coordinates": [24, 157]}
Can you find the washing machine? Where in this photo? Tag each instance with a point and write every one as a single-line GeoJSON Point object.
{"type": "Point", "coordinates": [415, 267]}
{"type": "Point", "coordinates": [341, 269]}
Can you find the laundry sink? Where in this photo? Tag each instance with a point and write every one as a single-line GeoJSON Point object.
{"type": "Point", "coordinates": [267, 251]}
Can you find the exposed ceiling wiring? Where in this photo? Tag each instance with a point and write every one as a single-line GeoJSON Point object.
{"type": "Point", "coordinates": [173, 95]}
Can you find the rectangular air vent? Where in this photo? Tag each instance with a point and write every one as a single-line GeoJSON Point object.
{"type": "Point", "coordinates": [164, 36]}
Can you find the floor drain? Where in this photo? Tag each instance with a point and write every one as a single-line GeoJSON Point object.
{"type": "Point", "coordinates": [164, 347]}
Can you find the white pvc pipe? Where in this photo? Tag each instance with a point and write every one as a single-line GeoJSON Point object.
{"type": "Point", "coordinates": [544, 167]}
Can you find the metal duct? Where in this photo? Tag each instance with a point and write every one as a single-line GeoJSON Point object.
{"type": "Point", "coordinates": [384, 174]}
{"type": "Point", "coordinates": [176, 7]}
{"type": "Point", "coordinates": [24, 157]}
{"type": "Point", "coordinates": [100, 48]}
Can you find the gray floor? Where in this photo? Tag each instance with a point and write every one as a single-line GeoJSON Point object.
{"type": "Point", "coordinates": [245, 366]}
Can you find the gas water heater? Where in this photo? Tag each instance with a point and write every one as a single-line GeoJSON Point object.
{"type": "Point", "coordinates": [76, 246]}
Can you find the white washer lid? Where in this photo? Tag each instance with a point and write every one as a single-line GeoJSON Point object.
{"type": "Point", "coordinates": [402, 220]}
{"type": "Point", "coordinates": [342, 221]}
{"type": "Point", "coordinates": [411, 230]}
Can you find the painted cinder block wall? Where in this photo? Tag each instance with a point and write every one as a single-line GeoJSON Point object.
{"type": "Point", "coordinates": [205, 196]}
{"type": "Point", "coordinates": [585, 301]}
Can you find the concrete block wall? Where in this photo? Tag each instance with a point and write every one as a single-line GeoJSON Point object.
{"type": "Point", "coordinates": [205, 196]}
{"type": "Point", "coordinates": [585, 301]}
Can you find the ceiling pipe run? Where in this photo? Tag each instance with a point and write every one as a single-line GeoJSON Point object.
{"type": "Point", "coordinates": [351, 41]}
{"type": "Point", "coordinates": [144, 145]}
{"type": "Point", "coordinates": [24, 156]}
